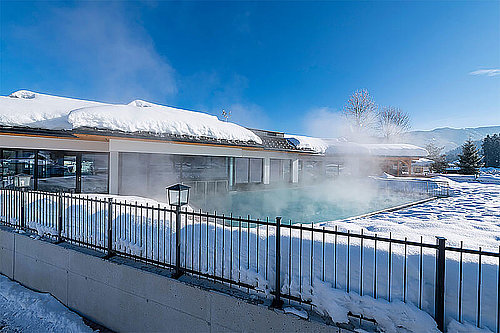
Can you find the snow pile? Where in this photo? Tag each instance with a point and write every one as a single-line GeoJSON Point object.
{"type": "Point", "coordinates": [23, 310]}
{"type": "Point", "coordinates": [422, 162]}
{"type": "Point", "coordinates": [456, 327]}
{"type": "Point", "coordinates": [139, 116]}
{"type": "Point", "coordinates": [25, 108]}
{"type": "Point", "coordinates": [392, 317]}
{"type": "Point", "coordinates": [306, 142]}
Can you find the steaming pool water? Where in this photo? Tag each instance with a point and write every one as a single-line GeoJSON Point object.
{"type": "Point", "coordinates": [305, 205]}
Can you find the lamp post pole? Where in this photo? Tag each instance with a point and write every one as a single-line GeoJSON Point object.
{"type": "Point", "coordinates": [178, 271]}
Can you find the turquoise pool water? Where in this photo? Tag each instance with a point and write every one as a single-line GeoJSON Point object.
{"type": "Point", "coordinates": [305, 205]}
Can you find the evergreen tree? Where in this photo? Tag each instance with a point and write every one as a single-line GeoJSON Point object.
{"type": "Point", "coordinates": [435, 154]}
{"type": "Point", "coordinates": [491, 151]}
{"type": "Point", "coordinates": [469, 161]}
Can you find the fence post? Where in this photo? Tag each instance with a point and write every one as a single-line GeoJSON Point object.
{"type": "Point", "coordinates": [440, 280]}
{"type": "Point", "coordinates": [178, 271]}
{"type": "Point", "coordinates": [110, 229]}
{"type": "Point", "coordinates": [23, 217]}
{"type": "Point", "coordinates": [59, 217]}
{"type": "Point", "coordinates": [277, 302]}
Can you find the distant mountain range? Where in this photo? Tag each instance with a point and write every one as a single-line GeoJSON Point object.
{"type": "Point", "coordinates": [449, 138]}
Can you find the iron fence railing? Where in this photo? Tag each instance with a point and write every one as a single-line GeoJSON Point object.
{"type": "Point", "coordinates": [434, 188]}
{"type": "Point", "coordinates": [273, 258]}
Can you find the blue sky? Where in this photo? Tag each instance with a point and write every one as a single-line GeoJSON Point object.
{"type": "Point", "coordinates": [287, 66]}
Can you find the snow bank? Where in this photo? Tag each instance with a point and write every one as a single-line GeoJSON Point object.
{"type": "Point", "coordinates": [23, 310]}
{"type": "Point", "coordinates": [392, 317]}
{"type": "Point", "coordinates": [25, 108]}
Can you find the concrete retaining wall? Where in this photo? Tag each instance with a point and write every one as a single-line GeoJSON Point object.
{"type": "Point", "coordinates": [126, 298]}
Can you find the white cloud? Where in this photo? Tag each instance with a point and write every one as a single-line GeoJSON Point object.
{"type": "Point", "coordinates": [109, 45]}
{"type": "Point", "coordinates": [487, 72]}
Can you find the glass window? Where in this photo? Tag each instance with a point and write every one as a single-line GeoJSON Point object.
{"type": "Point", "coordinates": [281, 171]}
{"type": "Point", "coordinates": [161, 173]}
{"type": "Point", "coordinates": [276, 174]}
{"type": "Point", "coordinates": [256, 170]}
{"type": "Point", "coordinates": [133, 173]}
{"type": "Point", "coordinates": [312, 171]}
{"type": "Point", "coordinates": [14, 162]}
{"type": "Point", "coordinates": [94, 173]}
{"type": "Point", "coordinates": [56, 171]}
{"type": "Point", "coordinates": [241, 170]}
{"type": "Point", "coordinates": [287, 171]}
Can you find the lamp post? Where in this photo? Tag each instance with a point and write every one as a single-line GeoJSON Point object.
{"type": "Point", "coordinates": [178, 196]}
{"type": "Point", "coordinates": [22, 182]}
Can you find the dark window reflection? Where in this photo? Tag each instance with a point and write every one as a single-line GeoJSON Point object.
{"type": "Point", "coordinates": [15, 162]}
{"type": "Point", "coordinates": [56, 171]}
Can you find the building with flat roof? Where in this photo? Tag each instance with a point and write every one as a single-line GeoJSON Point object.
{"type": "Point", "coordinates": [140, 148]}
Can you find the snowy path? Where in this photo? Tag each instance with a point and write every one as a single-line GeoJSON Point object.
{"type": "Point", "coordinates": [24, 310]}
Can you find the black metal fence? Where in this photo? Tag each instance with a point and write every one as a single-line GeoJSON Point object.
{"type": "Point", "coordinates": [273, 258]}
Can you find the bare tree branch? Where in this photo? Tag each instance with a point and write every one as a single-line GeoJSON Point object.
{"type": "Point", "coordinates": [361, 111]}
{"type": "Point", "coordinates": [392, 122]}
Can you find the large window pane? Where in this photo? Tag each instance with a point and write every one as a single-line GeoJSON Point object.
{"type": "Point", "coordinates": [161, 173]}
{"type": "Point", "coordinates": [241, 170]}
{"type": "Point", "coordinates": [133, 173]}
{"type": "Point", "coordinates": [276, 174]}
{"type": "Point", "coordinates": [94, 173]}
{"type": "Point", "coordinates": [287, 171]}
{"type": "Point", "coordinates": [312, 171]}
{"type": "Point", "coordinates": [16, 162]}
{"type": "Point", "coordinates": [256, 170]}
{"type": "Point", "coordinates": [56, 171]}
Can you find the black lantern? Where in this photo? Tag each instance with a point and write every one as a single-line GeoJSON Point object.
{"type": "Point", "coordinates": [178, 195]}
{"type": "Point", "coordinates": [22, 181]}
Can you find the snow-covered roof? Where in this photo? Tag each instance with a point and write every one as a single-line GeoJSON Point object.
{"type": "Point", "coordinates": [29, 109]}
{"type": "Point", "coordinates": [343, 147]}
{"type": "Point", "coordinates": [376, 149]}
{"type": "Point", "coordinates": [423, 162]}
{"type": "Point", "coordinates": [307, 142]}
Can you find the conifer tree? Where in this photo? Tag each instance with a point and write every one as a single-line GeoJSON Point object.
{"type": "Point", "coordinates": [491, 150]}
{"type": "Point", "coordinates": [469, 160]}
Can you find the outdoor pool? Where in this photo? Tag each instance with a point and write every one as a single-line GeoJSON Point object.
{"type": "Point", "coordinates": [307, 204]}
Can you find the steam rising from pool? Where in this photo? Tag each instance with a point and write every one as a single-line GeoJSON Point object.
{"type": "Point", "coordinates": [333, 200]}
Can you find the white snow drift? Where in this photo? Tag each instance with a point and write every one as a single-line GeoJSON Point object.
{"type": "Point", "coordinates": [24, 310]}
{"type": "Point", "coordinates": [26, 108]}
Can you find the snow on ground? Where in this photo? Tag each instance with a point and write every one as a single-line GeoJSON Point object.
{"type": "Point", "coordinates": [24, 310]}
{"type": "Point", "coordinates": [26, 108]}
{"type": "Point", "coordinates": [333, 286]}
{"type": "Point", "coordinates": [471, 215]}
